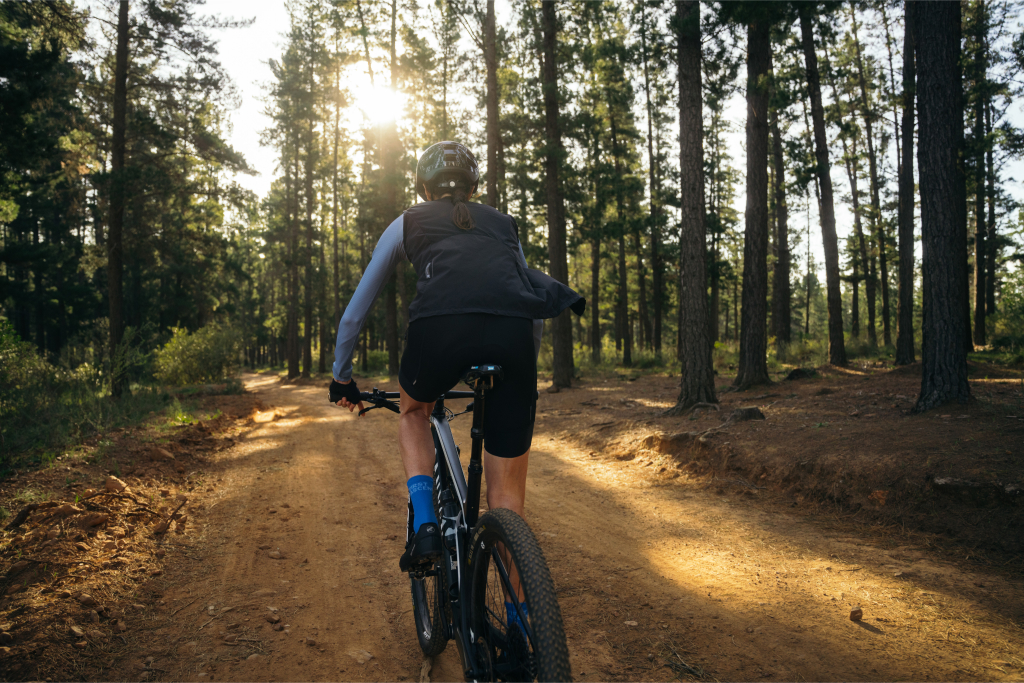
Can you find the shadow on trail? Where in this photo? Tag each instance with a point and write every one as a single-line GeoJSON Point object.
{"type": "Point", "coordinates": [660, 557]}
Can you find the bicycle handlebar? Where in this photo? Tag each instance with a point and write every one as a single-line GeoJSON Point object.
{"type": "Point", "coordinates": [382, 399]}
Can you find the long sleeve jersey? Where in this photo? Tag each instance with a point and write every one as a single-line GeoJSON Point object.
{"type": "Point", "coordinates": [389, 251]}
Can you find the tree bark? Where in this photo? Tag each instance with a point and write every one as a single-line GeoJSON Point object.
{"type": "Point", "coordinates": [696, 377]}
{"type": "Point", "coordinates": [561, 327]}
{"type": "Point", "coordinates": [836, 343]}
{"type": "Point", "coordinates": [876, 205]}
{"type": "Point", "coordinates": [862, 251]}
{"type": "Point", "coordinates": [993, 246]}
{"type": "Point", "coordinates": [625, 330]}
{"type": "Point", "coordinates": [944, 244]}
{"type": "Point", "coordinates": [595, 300]}
{"type": "Point", "coordinates": [115, 239]}
{"type": "Point", "coordinates": [657, 286]}
{"type": "Point", "coordinates": [292, 347]}
{"type": "Point", "coordinates": [980, 231]}
{"type": "Point", "coordinates": [905, 313]}
{"type": "Point", "coordinates": [641, 277]}
{"type": "Point", "coordinates": [307, 259]}
{"type": "Point", "coordinates": [336, 317]}
{"type": "Point", "coordinates": [493, 131]}
{"type": "Point", "coordinates": [781, 294]}
{"type": "Point", "coordinates": [753, 366]}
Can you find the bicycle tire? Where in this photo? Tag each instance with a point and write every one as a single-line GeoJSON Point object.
{"type": "Point", "coordinates": [499, 653]}
{"type": "Point", "coordinates": [429, 605]}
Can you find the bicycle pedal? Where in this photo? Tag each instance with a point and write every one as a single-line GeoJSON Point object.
{"type": "Point", "coordinates": [420, 575]}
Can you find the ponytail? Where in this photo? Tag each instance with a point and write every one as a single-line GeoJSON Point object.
{"type": "Point", "coordinates": [460, 212]}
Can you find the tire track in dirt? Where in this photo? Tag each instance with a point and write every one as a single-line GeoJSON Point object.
{"type": "Point", "coordinates": [657, 579]}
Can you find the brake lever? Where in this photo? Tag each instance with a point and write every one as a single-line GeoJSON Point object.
{"type": "Point", "coordinates": [384, 403]}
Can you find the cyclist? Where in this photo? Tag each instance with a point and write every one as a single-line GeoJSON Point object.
{"type": "Point", "coordinates": [476, 302]}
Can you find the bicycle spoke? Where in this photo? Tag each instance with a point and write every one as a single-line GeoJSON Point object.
{"type": "Point", "coordinates": [513, 595]}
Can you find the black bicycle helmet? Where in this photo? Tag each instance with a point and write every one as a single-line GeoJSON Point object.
{"type": "Point", "coordinates": [446, 159]}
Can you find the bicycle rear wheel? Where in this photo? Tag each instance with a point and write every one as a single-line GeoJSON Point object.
{"type": "Point", "coordinates": [508, 567]}
{"type": "Point", "coordinates": [429, 608]}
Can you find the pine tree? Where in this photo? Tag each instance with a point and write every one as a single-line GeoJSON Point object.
{"type": "Point", "coordinates": [836, 343]}
{"type": "Point", "coordinates": [697, 381]}
{"type": "Point", "coordinates": [905, 311]}
{"type": "Point", "coordinates": [936, 31]}
{"type": "Point", "coordinates": [753, 367]}
{"type": "Point", "coordinates": [554, 155]}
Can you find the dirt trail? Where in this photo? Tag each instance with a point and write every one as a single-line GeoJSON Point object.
{"type": "Point", "coordinates": [658, 578]}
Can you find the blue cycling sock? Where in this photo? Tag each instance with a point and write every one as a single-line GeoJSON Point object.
{"type": "Point", "coordinates": [512, 617]}
{"type": "Point", "coordinates": [421, 493]}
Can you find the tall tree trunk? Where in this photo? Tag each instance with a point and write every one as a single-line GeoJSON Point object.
{"type": "Point", "coordinates": [836, 343]}
{"type": "Point", "coordinates": [876, 207]}
{"type": "Point", "coordinates": [862, 252]}
{"type": "Point", "coordinates": [892, 82]}
{"type": "Point", "coordinates": [641, 277]}
{"type": "Point", "coordinates": [753, 365]}
{"type": "Point", "coordinates": [322, 324]}
{"type": "Point", "coordinates": [493, 130]}
{"type": "Point", "coordinates": [561, 328]}
{"type": "Point", "coordinates": [853, 171]}
{"type": "Point", "coordinates": [696, 377]}
{"type": "Point", "coordinates": [657, 286]}
{"type": "Point", "coordinates": [944, 244]}
{"type": "Point", "coordinates": [855, 278]}
{"type": "Point", "coordinates": [781, 294]}
{"type": "Point", "coordinates": [293, 269]}
{"type": "Point", "coordinates": [905, 313]}
{"type": "Point", "coordinates": [625, 329]}
{"type": "Point", "coordinates": [336, 317]}
{"type": "Point", "coordinates": [810, 279]}
{"type": "Point", "coordinates": [115, 239]}
{"type": "Point", "coordinates": [993, 246]}
{"type": "Point", "coordinates": [715, 276]}
{"type": "Point", "coordinates": [595, 300]}
{"type": "Point", "coordinates": [716, 296]}
{"type": "Point", "coordinates": [980, 231]}
{"type": "Point", "coordinates": [392, 177]}
{"type": "Point", "coordinates": [307, 260]}
{"type": "Point", "coordinates": [625, 333]}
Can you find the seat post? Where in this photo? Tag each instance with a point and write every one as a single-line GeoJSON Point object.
{"type": "Point", "coordinates": [476, 468]}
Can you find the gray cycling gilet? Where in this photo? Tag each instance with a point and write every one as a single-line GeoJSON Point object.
{"type": "Point", "coordinates": [476, 270]}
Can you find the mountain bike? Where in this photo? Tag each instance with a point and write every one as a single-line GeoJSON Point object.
{"type": "Point", "coordinates": [491, 591]}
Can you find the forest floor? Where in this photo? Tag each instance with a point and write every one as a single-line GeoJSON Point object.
{"type": "Point", "coordinates": [691, 547]}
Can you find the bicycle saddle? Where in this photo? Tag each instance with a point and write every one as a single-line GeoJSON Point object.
{"type": "Point", "coordinates": [483, 375]}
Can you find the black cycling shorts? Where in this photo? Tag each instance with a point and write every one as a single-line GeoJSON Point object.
{"type": "Point", "coordinates": [441, 348]}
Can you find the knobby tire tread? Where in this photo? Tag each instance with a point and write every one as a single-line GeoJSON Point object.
{"type": "Point", "coordinates": [545, 615]}
{"type": "Point", "coordinates": [438, 640]}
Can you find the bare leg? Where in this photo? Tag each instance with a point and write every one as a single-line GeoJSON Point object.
{"type": "Point", "coordinates": [506, 482]}
{"type": "Point", "coordinates": [506, 488]}
{"type": "Point", "coordinates": [414, 440]}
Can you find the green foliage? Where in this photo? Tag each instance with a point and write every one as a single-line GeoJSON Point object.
{"type": "Point", "coordinates": [376, 363]}
{"type": "Point", "coordinates": [44, 407]}
{"type": "Point", "coordinates": [1009, 319]}
{"type": "Point", "coordinates": [206, 355]}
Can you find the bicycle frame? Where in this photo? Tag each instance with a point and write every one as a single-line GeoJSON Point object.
{"type": "Point", "coordinates": [459, 504]}
{"type": "Point", "coordinates": [459, 516]}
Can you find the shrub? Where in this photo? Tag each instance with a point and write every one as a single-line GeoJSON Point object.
{"type": "Point", "coordinates": [45, 407]}
{"type": "Point", "coordinates": [206, 355]}
{"type": "Point", "coordinates": [1008, 322]}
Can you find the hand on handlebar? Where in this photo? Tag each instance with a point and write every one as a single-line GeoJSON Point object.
{"type": "Point", "coordinates": [346, 395]}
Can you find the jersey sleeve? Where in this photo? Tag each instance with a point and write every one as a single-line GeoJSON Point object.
{"type": "Point", "coordinates": [538, 325]}
{"type": "Point", "coordinates": [389, 251]}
